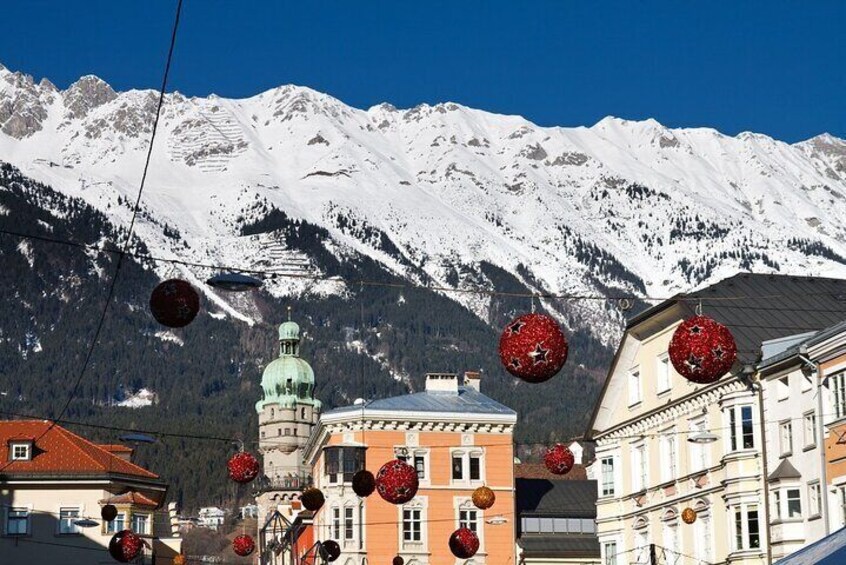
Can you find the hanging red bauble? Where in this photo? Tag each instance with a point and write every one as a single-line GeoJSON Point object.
{"type": "Point", "coordinates": [483, 498]}
{"type": "Point", "coordinates": [108, 512]}
{"type": "Point", "coordinates": [398, 560]}
{"type": "Point", "coordinates": [688, 515]}
{"type": "Point", "coordinates": [559, 459]}
{"type": "Point", "coordinates": [396, 482]}
{"type": "Point", "coordinates": [243, 467]}
{"type": "Point", "coordinates": [533, 348]}
{"type": "Point", "coordinates": [243, 545]}
{"type": "Point", "coordinates": [463, 543]}
{"type": "Point", "coordinates": [702, 350]}
{"type": "Point", "coordinates": [312, 499]}
{"type": "Point", "coordinates": [332, 550]}
{"type": "Point", "coordinates": [363, 483]}
{"type": "Point", "coordinates": [174, 303]}
{"type": "Point", "coordinates": [125, 546]}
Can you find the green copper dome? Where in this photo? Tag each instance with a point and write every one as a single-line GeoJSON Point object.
{"type": "Point", "coordinates": [289, 379]}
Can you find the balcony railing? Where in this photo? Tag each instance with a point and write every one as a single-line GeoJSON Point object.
{"type": "Point", "coordinates": [286, 482]}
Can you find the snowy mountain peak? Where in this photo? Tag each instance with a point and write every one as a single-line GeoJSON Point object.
{"type": "Point", "coordinates": [439, 193]}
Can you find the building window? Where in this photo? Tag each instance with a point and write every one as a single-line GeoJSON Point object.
{"type": "Point", "coordinates": [17, 522]}
{"type": "Point", "coordinates": [468, 519]}
{"type": "Point", "coordinates": [348, 523]}
{"type": "Point", "coordinates": [466, 466]}
{"type": "Point", "coordinates": [663, 370]}
{"type": "Point", "coordinates": [639, 468]}
{"type": "Point", "coordinates": [411, 525]}
{"type": "Point", "coordinates": [141, 524]}
{"type": "Point", "coordinates": [279, 432]}
{"type": "Point", "coordinates": [21, 451]}
{"type": "Point", "coordinates": [810, 429]}
{"type": "Point", "coordinates": [420, 466]}
{"type": "Point", "coordinates": [343, 462]}
{"type": "Point", "coordinates": [814, 498]}
{"type": "Point", "coordinates": [671, 535]}
{"type": "Point", "coordinates": [702, 537]}
{"type": "Point", "coordinates": [475, 467]}
{"type": "Point", "coordinates": [668, 456]}
{"type": "Point", "coordinates": [607, 471]}
{"type": "Point", "coordinates": [786, 438]}
{"type": "Point", "coordinates": [777, 504]}
{"type": "Point", "coordinates": [117, 524]}
{"type": "Point", "coordinates": [336, 523]}
{"type": "Point", "coordinates": [746, 527]}
{"type": "Point", "coordinates": [794, 503]}
{"type": "Point", "coordinates": [698, 452]}
{"type": "Point", "coordinates": [67, 516]}
{"type": "Point", "coordinates": [783, 388]}
{"type": "Point", "coordinates": [609, 550]}
{"type": "Point", "coordinates": [741, 428]}
{"type": "Point", "coordinates": [634, 387]}
{"type": "Point", "coordinates": [838, 390]}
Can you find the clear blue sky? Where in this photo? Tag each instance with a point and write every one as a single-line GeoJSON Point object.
{"type": "Point", "coordinates": [776, 67]}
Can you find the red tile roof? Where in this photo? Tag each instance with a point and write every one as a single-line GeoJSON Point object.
{"type": "Point", "coordinates": [116, 448]}
{"type": "Point", "coordinates": [60, 452]}
{"type": "Point", "coordinates": [131, 497]}
{"type": "Point", "coordinates": [539, 471]}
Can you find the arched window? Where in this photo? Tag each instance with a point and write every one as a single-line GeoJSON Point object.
{"type": "Point", "coordinates": [272, 413]}
{"type": "Point", "coordinates": [302, 413]}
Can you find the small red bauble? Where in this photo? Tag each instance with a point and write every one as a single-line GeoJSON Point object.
{"type": "Point", "coordinates": [483, 498]}
{"type": "Point", "coordinates": [702, 350]}
{"type": "Point", "coordinates": [559, 459]}
{"type": "Point", "coordinates": [312, 499]}
{"type": "Point", "coordinates": [688, 515]}
{"type": "Point", "coordinates": [332, 550]}
{"type": "Point", "coordinates": [174, 303]}
{"type": "Point", "coordinates": [398, 560]}
{"type": "Point", "coordinates": [533, 348]}
{"type": "Point", "coordinates": [363, 483]}
{"type": "Point", "coordinates": [243, 467]}
{"type": "Point", "coordinates": [396, 482]}
{"type": "Point", "coordinates": [108, 512]}
{"type": "Point", "coordinates": [463, 543]}
{"type": "Point", "coordinates": [125, 546]}
{"type": "Point", "coordinates": [243, 545]}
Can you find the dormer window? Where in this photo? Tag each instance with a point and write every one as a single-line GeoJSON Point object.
{"type": "Point", "coordinates": [20, 450]}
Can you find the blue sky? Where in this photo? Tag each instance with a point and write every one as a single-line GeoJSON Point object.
{"type": "Point", "coordinates": [776, 67]}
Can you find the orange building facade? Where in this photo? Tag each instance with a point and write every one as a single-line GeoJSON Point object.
{"type": "Point", "coordinates": [458, 440]}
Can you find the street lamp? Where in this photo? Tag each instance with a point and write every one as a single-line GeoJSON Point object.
{"type": "Point", "coordinates": [703, 438]}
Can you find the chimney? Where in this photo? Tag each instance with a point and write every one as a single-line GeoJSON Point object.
{"type": "Point", "coordinates": [442, 382]}
{"type": "Point", "coordinates": [473, 379]}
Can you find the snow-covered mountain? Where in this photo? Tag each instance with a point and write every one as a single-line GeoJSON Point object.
{"type": "Point", "coordinates": [433, 192]}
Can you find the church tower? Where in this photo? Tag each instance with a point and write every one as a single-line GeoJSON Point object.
{"type": "Point", "coordinates": [287, 413]}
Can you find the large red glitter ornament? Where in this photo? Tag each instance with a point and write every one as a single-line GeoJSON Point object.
{"type": "Point", "coordinates": [559, 459]}
{"type": "Point", "coordinates": [463, 543]}
{"type": "Point", "coordinates": [363, 483]}
{"type": "Point", "coordinates": [243, 545]}
{"type": "Point", "coordinates": [125, 546]}
{"type": "Point", "coordinates": [332, 550]}
{"type": "Point", "coordinates": [312, 499]}
{"type": "Point", "coordinates": [702, 350]}
{"type": "Point", "coordinates": [174, 303]}
{"type": "Point", "coordinates": [243, 467]}
{"type": "Point", "coordinates": [397, 482]}
{"type": "Point", "coordinates": [533, 348]}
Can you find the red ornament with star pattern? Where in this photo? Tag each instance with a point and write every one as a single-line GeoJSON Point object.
{"type": "Point", "coordinates": [125, 546]}
{"type": "Point", "coordinates": [464, 543]}
{"type": "Point", "coordinates": [243, 545]}
{"type": "Point", "coordinates": [559, 459]}
{"type": "Point", "coordinates": [533, 348]}
{"type": "Point", "coordinates": [174, 303]}
{"type": "Point", "coordinates": [243, 467]}
{"type": "Point", "coordinates": [702, 350]}
{"type": "Point", "coordinates": [397, 482]}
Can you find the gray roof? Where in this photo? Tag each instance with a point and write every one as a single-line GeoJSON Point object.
{"type": "Point", "coordinates": [809, 340]}
{"type": "Point", "coordinates": [784, 471]}
{"type": "Point", "coordinates": [467, 400]}
{"type": "Point", "coordinates": [566, 499]}
{"type": "Point", "coordinates": [830, 550]}
{"type": "Point", "coordinates": [559, 545]}
{"type": "Point", "coordinates": [758, 307]}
